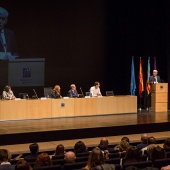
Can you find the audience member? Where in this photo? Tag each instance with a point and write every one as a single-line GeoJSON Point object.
{"type": "Point", "coordinates": [80, 147]}
{"type": "Point", "coordinates": [5, 157]}
{"type": "Point", "coordinates": [8, 94]}
{"type": "Point", "coordinates": [166, 144]}
{"type": "Point", "coordinates": [144, 139]}
{"type": "Point", "coordinates": [59, 150]}
{"type": "Point", "coordinates": [104, 141]}
{"type": "Point", "coordinates": [95, 90]}
{"type": "Point", "coordinates": [96, 161]}
{"type": "Point", "coordinates": [122, 146]}
{"type": "Point", "coordinates": [42, 160]}
{"type": "Point", "coordinates": [151, 140]}
{"type": "Point", "coordinates": [34, 149]}
{"type": "Point", "coordinates": [23, 165]}
{"type": "Point", "coordinates": [70, 157]}
{"type": "Point", "coordinates": [56, 93]}
{"type": "Point", "coordinates": [126, 139]}
{"type": "Point", "coordinates": [132, 155]}
{"type": "Point", "coordinates": [157, 153]}
{"type": "Point", "coordinates": [73, 92]}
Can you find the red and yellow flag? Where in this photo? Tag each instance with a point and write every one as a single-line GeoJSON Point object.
{"type": "Point", "coordinates": [141, 87]}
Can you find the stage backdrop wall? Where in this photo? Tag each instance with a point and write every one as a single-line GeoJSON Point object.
{"type": "Point", "coordinates": [84, 41]}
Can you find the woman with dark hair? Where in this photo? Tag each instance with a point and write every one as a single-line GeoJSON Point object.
{"type": "Point", "coordinates": [59, 150]}
{"type": "Point", "coordinates": [166, 145]}
{"type": "Point", "coordinates": [42, 160]}
{"type": "Point", "coordinates": [7, 94]}
{"type": "Point", "coordinates": [23, 165]}
{"type": "Point", "coordinates": [80, 147]}
{"type": "Point", "coordinates": [96, 161]}
{"type": "Point", "coordinates": [158, 153]}
{"type": "Point", "coordinates": [132, 155]}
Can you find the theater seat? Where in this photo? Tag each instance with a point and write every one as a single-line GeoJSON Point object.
{"type": "Point", "coordinates": [113, 161]}
{"type": "Point", "coordinates": [140, 165]}
{"type": "Point", "coordinates": [114, 155]}
{"type": "Point", "coordinates": [52, 167]}
{"type": "Point", "coordinates": [159, 163]}
{"type": "Point", "coordinates": [73, 166]}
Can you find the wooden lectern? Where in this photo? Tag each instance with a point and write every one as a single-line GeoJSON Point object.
{"type": "Point", "coordinates": [159, 97]}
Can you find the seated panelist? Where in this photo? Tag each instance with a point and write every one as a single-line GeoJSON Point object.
{"type": "Point", "coordinates": [56, 93]}
{"type": "Point", "coordinates": [73, 92]}
{"type": "Point", "coordinates": [8, 94]}
{"type": "Point", "coordinates": [95, 90]}
{"type": "Point", "coordinates": [154, 78]}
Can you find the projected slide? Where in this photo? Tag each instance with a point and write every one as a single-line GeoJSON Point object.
{"type": "Point", "coordinates": [26, 72]}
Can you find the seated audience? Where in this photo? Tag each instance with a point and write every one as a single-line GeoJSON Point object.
{"type": "Point", "coordinates": [144, 139]}
{"type": "Point", "coordinates": [122, 146]}
{"type": "Point", "coordinates": [70, 157]}
{"type": "Point", "coordinates": [80, 147]}
{"type": "Point", "coordinates": [8, 94]}
{"type": "Point", "coordinates": [157, 153]}
{"type": "Point", "coordinates": [126, 139]}
{"type": "Point", "coordinates": [132, 155]}
{"type": "Point", "coordinates": [5, 157]}
{"type": "Point", "coordinates": [73, 92]}
{"type": "Point", "coordinates": [42, 160]}
{"type": "Point", "coordinates": [23, 165]}
{"type": "Point", "coordinates": [56, 93]}
{"type": "Point", "coordinates": [34, 149]}
{"type": "Point", "coordinates": [59, 150]}
{"type": "Point", "coordinates": [166, 145]}
{"type": "Point", "coordinates": [96, 161]}
{"type": "Point", "coordinates": [151, 140]}
{"type": "Point", "coordinates": [95, 90]}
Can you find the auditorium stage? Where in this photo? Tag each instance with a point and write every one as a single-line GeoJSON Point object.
{"type": "Point", "coordinates": [53, 129]}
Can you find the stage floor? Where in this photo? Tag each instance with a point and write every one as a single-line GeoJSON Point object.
{"type": "Point", "coordinates": [54, 124]}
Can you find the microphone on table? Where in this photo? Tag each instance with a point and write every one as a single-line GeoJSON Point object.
{"type": "Point", "coordinates": [35, 93]}
{"type": "Point", "coordinates": [81, 92]}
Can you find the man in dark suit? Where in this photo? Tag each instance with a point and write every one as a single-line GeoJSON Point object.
{"type": "Point", "coordinates": [7, 38]}
{"type": "Point", "coordinates": [73, 92]}
{"type": "Point", "coordinates": [154, 78]}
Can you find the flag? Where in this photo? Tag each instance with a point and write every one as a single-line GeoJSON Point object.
{"type": "Point", "coordinates": [133, 81]}
{"type": "Point", "coordinates": [148, 86]}
{"type": "Point", "coordinates": [141, 88]}
{"type": "Point", "coordinates": [155, 63]}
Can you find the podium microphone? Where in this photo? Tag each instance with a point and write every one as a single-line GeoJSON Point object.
{"type": "Point", "coordinates": [81, 92]}
{"type": "Point", "coordinates": [162, 81]}
{"type": "Point", "coordinates": [35, 93]}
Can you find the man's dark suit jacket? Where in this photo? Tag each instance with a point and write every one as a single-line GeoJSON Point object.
{"type": "Point", "coordinates": [72, 93]}
{"type": "Point", "coordinates": [10, 42]}
{"type": "Point", "coordinates": [152, 79]}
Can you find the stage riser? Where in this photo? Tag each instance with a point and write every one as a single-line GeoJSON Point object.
{"type": "Point", "coordinates": [20, 138]}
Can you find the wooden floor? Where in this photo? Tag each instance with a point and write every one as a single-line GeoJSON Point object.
{"type": "Point", "coordinates": [37, 125]}
{"type": "Point", "coordinates": [40, 125]}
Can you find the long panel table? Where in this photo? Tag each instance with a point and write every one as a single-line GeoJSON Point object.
{"type": "Point", "coordinates": [50, 108]}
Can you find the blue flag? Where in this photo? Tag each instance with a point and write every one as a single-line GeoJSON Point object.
{"type": "Point", "coordinates": [133, 81]}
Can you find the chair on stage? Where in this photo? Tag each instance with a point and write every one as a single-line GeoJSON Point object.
{"type": "Point", "coordinates": [47, 91]}
{"type": "Point", "coordinates": [109, 93]}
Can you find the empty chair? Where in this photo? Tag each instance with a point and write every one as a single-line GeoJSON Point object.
{"type": "Point", "coordinates": [109, 93]}
{"type": "Point", "coordinates": [47, 91]}
{"type": "Point", "coordinates": [88, 94]}
{"type": "Point", "coordinates": [158, 163]}
{"type": "Point", "coordinates": [72, 166]}
{"type": "Point", "coordinates": [52, 167]}
{"type": "Point", "coordinates": [140, 165]}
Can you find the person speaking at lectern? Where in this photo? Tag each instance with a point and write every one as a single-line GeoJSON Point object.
{"type": "Point", "coordinates": [154, 78]}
